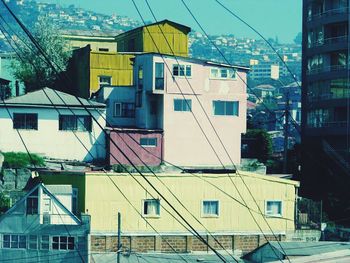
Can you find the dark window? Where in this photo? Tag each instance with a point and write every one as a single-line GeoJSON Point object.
{"type": "Point", "coordinates": [159, 76]}
{"type": "Point", "coordinates": [229, 108]}
{"type": "Point", "coordinates": [32, 203]}
{"type": "Point", "coordinates": [14, 241]}
{"type": "Point", "coordinates": [148, 142]}
{"type": "Point", "coordinates": [75, 123]}
{"type": "Point", "coordinates": [182, 105]}
{"type": "Point", "coordinates": [45, 242]}
{"type": "Point", "coordinates": [124, 110]}
{"type": "Point", "coordinates": [26, 121]}
{"type": "Point", "coordinates": [62, 243]}
{"type": "Point", "coordinates": [104, 81]}
{"type": "Point", "coordinates": [151, 207]}
{"type": "Point", "coordinates": [103, 49]}
{"type": "Point", "coordinates": [182, 70]}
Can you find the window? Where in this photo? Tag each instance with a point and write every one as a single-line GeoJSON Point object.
{"type": "Point", "coordinates": [151, 207]}
{"type": "Point", "coordinates": [148, 142]}
{"type": "Point", "coordinates": [62, 243]}
{"type": "Point", "coordinates": [222, 73]}
{"type": "Point", "coordinates": [103, 49]}
{"type": "Point", "coordinates": [14, 241]}
{"type": "Point", "coordinates": [75, 201]}
{"type": "Point", "coordinates": [182, 70]}
{"type": "Point", "coordinates": [124, 110]}
{"type": "Point", "coordinates": [25, 121]}
{"type": "Point", "coordinates": [32, 203]}
{"type": "Point", "coordinates": [228, 108]}
{"type": "Point", "coordinates": [33, 242]}
{"type": "Point", "coordinates": [104, 81]}
{"type": "Point", "coordinates": [210, 208]}
{"type": "Point", "coordinates": [273, 208]}
{"type": "Point", "coordinates": [45, 242]}
{"type": "Point", "coordinates": [74, 123]}
{"type": "Point", "coordinates": [159, 76]}
{"type": "Point", "coordinates": [182, 105]}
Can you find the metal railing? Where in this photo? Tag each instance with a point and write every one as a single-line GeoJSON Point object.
{"type": "Point", "coordinates": [327, 13]}
{"type": "Point", "coordinates": [329, 41]}
{"type": "Point", "coordinates": [322, 69]}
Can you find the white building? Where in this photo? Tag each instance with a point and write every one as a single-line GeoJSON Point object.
{"type": "Point", "coordinates": [46, 122]}
{"type": "Point", "coordinates": [41, 226]}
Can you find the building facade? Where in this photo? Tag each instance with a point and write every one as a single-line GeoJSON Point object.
{"type": "Point", "coordinates": [42, 225]}
{"type": "Point", "coordinates": [325, 101]}
{"type": "Point", "coordinates": [205, 195]}
{"type": "Point", "coordinates": [50, 123]}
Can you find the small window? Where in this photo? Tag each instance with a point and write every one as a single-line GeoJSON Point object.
{"type": "Point", "coordinates": [210, 208]}
{"type": "Point", "coordinates": [25, 121]}
{"type": "Point", "coordinates": [104, 81]}
{"type": "Point", "coordinates": [45, 242]}
{"type": "Point", "coordinates": [182, 105]}
{"type": "Point", "coordinates": [151, 207]}
{"type": "Point", "coordinates": [273, 208]}
{"type": "Point", "coordinates": [14, 241]}
{"type": "Point", "coordinates": [103, 49]}
{"type": "Point", "coordinates": [62, 243]}
{"type": "Point", "coordinates": [148, 142]}
{"type": "Point", "coordinates": [32, 203]}
{"type": "Point", "coordinates": [222, 73]}
{"type": "Point", "coordinates": [124, 109]}
{"type": "Point", "coordinates": [214, 72]}
{"type": "Point", "coordinates": [75, 123]}
{"type": "Point", "coordinates": [228, 108]}
{"type": "Point", "coordinates": [33, 242]}
{"type": "Point", "coordinates": [182, 70]}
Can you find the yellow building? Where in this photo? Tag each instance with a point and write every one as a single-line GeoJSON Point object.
{"type": "Point", "coordinates": [142, 39]}
{"type": "Point", "coordinates": [213, 199]}
{"type": "Point", "coordinates": [90, 67]}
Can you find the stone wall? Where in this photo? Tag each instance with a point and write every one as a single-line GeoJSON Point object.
{"type": "Point", "coordinates": [181, 244]}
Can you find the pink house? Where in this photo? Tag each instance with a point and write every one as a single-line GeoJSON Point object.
{"type": "Point", "coordinates": [172, 109]}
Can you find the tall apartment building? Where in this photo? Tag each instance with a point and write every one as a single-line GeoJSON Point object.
{"type": "Point", "coordinates": [325, 100]}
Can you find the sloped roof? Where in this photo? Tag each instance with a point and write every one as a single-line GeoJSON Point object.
{"type": "Point", "coordinates": [165, 21]}
{"type": "Point", "coordinates": [48, 97]}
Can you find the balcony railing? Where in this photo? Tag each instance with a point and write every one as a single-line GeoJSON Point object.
{"type": "Point", "coordinates": [326, 69]}
{"type": "Point", "coordinates": [329, 41]}
{"type": "Point", "coordinates": [329, 96]}
{"type": "Point", "coordinates": [331, 12]}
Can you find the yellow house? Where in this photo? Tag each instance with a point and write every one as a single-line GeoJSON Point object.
{"type": "Point", "coordinates": [211, 198]}
{"type": "Point", "coordinates": [90, 67]}
{"type": "Point", "coordinates": [140, 39]}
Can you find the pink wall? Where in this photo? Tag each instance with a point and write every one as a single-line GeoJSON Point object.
{"type": "Point", "coordinates": [128, 141]}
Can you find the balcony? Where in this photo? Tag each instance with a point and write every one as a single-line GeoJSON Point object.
{"type": "Point", "coordinates": [332, 68]}
{"type": "Point", "coordinates": [329, 13]}
{"type": "Point", "coordinates": [329, 41]}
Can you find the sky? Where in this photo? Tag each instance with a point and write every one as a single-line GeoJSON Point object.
{"type": "Point", "coordinates": [281, 18]}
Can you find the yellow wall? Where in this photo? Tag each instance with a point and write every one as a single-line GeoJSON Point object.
{"type": "Point", "coordinates": [95, 42]}
{"type": "Point", "coordinates": [104, 201]}
{"type": "Point", "coordinates": [118, 66]}
{"type": "Point", "coordinates": [176, 37]}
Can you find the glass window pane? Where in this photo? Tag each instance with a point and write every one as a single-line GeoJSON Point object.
{"type": "Point", "coordinates": [159, 70]}
{"type": "Point", "coordinates": [188, 70]}
{"type": "Point", "coordinates": [219, 107]}
{"type": "Point", "coordinates": [176, 70]}
{"type": "Point", "coordinates": [182, 70]}
{"type": "Point", "coordinates": [177, 105]}
{"type": "Point", "coordinates": [229, 108]}
{"type": "Point", "coordinates": [6, 241]}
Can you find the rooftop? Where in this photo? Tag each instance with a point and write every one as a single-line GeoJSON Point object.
{"type": "Point", "coordinates": [48, 97]}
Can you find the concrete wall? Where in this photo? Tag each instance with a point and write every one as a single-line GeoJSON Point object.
{"type": "Point", "coordinates": [181, 128]}
{"type": "Point", "coordinates": [48, 140]}
{"type": "Point", "coordinates": [129, 141]}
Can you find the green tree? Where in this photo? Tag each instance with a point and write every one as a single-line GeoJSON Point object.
{"type": "Point", "coordinates": [18, 160]}
{"type": "Point", "coordinates": [30, 66]}
{"type": "Point", "coordinates": [4, 203]}
{"type": "Point", "coordinates": [261, 144]}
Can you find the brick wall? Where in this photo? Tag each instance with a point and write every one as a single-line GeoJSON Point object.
{"type": "Point", "coordinates": [182, 244]}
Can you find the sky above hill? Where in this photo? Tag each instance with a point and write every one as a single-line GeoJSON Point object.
{"type": "Point", "coordinates": [281, 18]}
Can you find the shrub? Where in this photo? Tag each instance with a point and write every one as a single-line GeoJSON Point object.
{"type": "Point", "coordinates": [17, 160]}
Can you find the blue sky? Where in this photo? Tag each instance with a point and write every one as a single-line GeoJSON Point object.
{"type": "Point", "coordinates": [281, 18]}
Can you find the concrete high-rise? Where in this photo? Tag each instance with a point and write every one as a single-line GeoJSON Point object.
{"type": "Point", "coordinates": [325, 103]}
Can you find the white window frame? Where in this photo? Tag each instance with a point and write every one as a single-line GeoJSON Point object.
{"type": "Point", "coordinates": [150, 215]}
{"type": "Point", "coordinates": [18, 241]}
{"type": "Point", "coordinates": [219, 75]}
{"type": "Point", "coordinates": [225, 102]}
{"type": "Point", "coordinates": [149, 145]}
{"type": "Point", "coordinates": [267, 214]}
{"type": "Point", "coordinates": [185, 103]}
{"type": "Point", "coordinates": [185, 75]}
{"type": "Point", "coordinates": [102, 84]}
{"type": "Point", "coordinates": [210, 215]}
